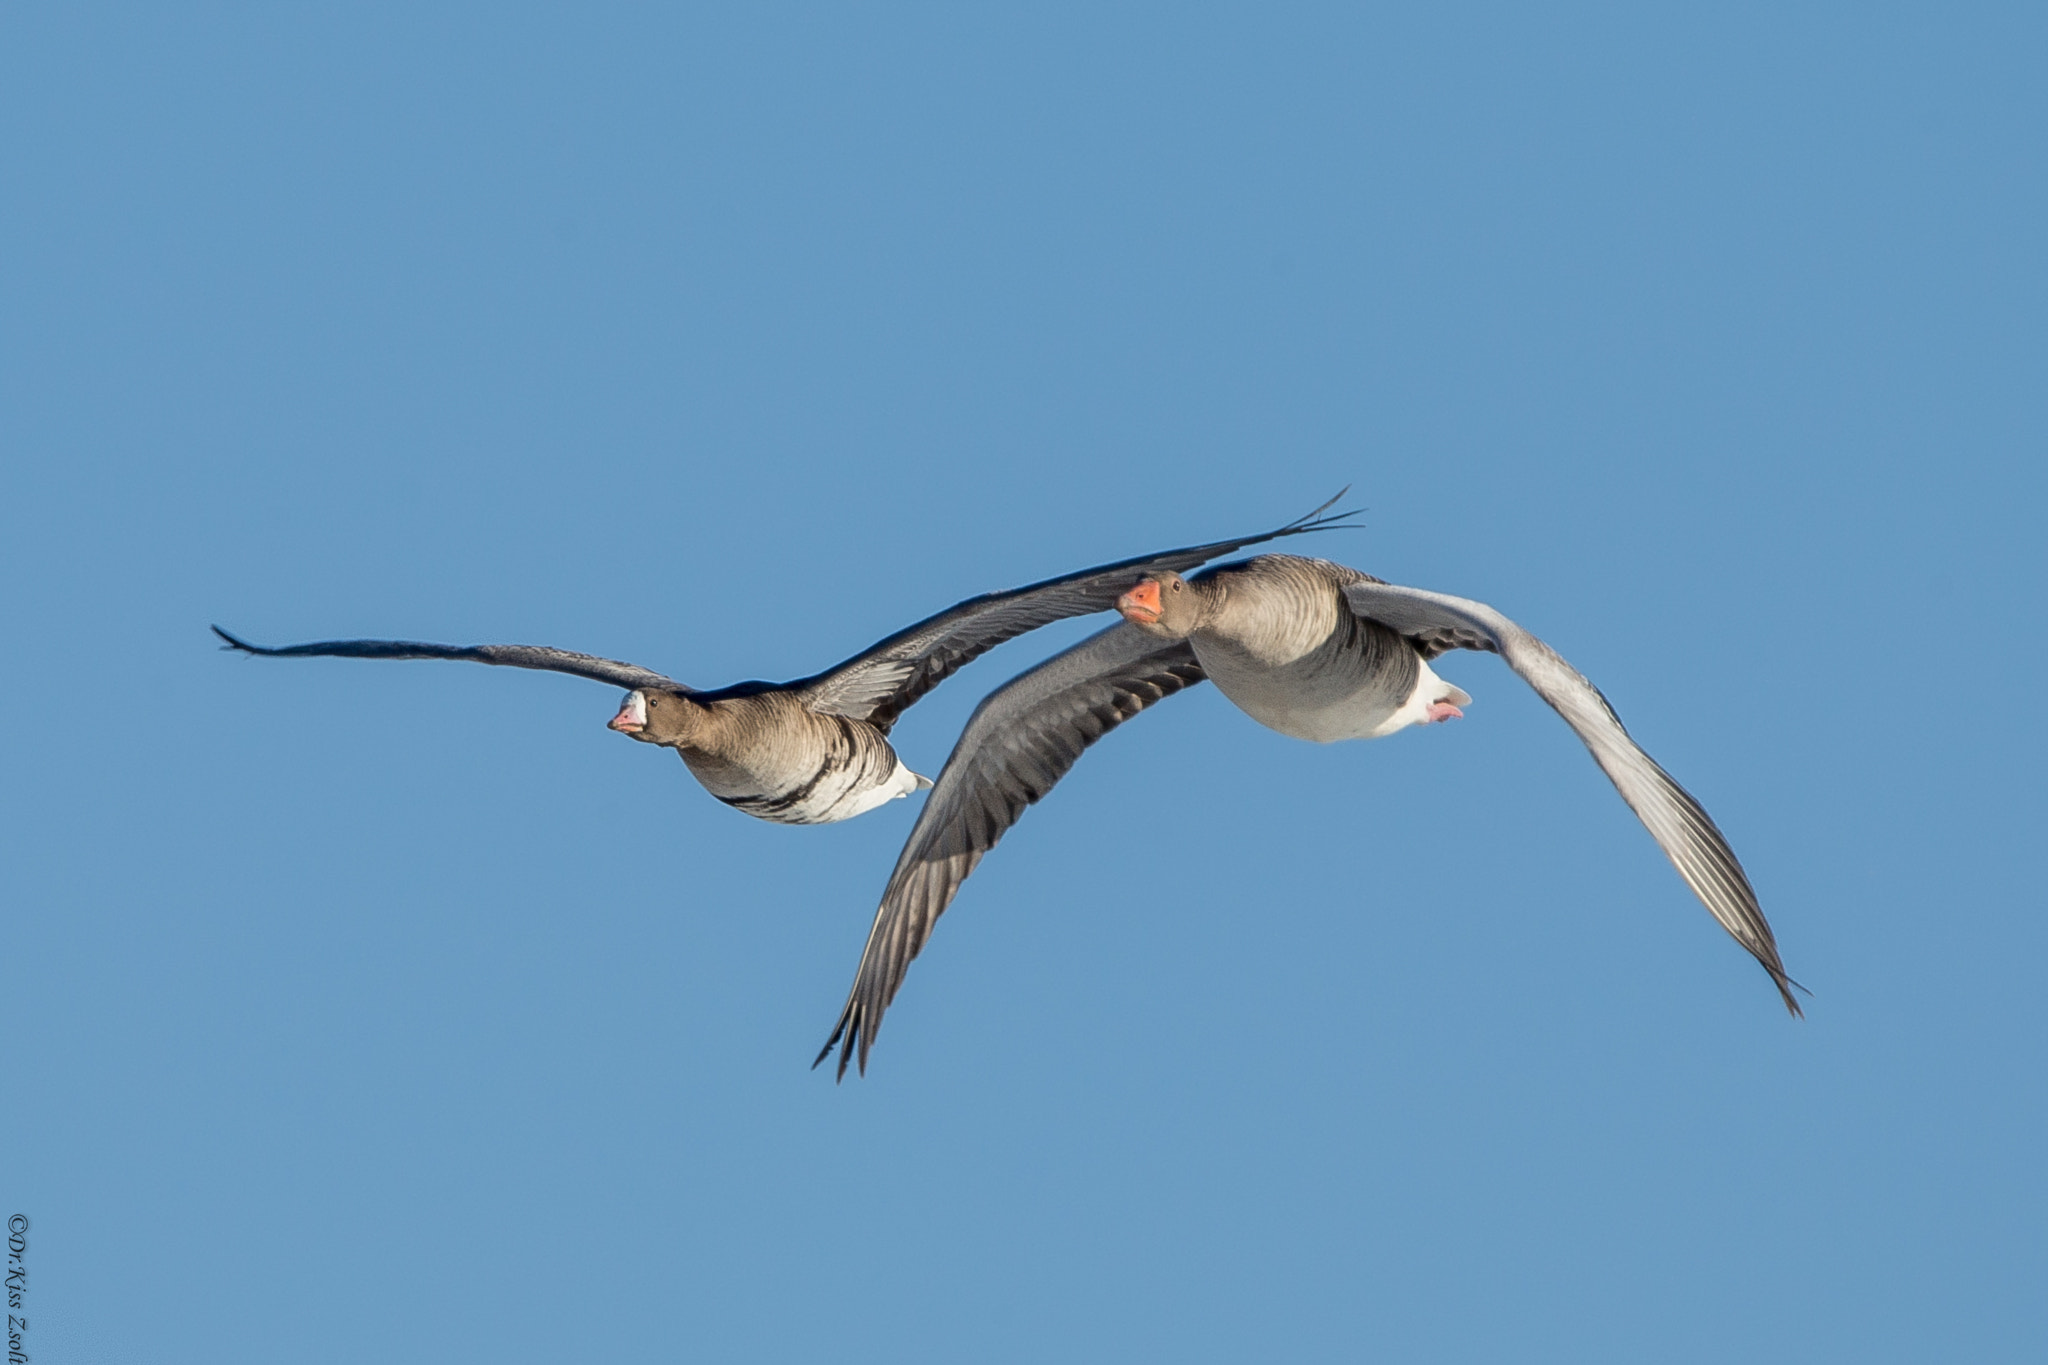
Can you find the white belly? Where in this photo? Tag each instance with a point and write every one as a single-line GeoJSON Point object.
{"type": "Point", "coordinates": [843, 788]}
{"type": "Point", "coordinates": [1321, 704]}
{"type": "Point", "coordinates": [901, 783]}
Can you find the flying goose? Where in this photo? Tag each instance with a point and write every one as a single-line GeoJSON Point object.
{"type": "Point", "coordinates": [816, 750]}
{"type": "Point", "coordinates": [1304, 646]}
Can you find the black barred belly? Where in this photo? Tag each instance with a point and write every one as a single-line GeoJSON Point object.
{"type": "Point", "coordinates": [857, 761]}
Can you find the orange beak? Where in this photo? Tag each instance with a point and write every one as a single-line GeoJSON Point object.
{"type": "Point", "coordinates": [1141, 604]}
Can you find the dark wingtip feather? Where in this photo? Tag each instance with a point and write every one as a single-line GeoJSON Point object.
{"type": "Point", "coordinates": [1786, 985]}
{"type": "Point", "coordinates": [1316, 521]}
{"type": "Point", "coordinates": [233, 643]}
{"type": "Point", "coordinates": [831, 1043]}
{"type": "Point", "coordinates": [1302, 521]}
{"type": "Point", "coordinates": [847, 1034]}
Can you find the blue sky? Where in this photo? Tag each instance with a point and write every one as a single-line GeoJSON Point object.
{"type": "Point", "coordinates": [399, 1008]}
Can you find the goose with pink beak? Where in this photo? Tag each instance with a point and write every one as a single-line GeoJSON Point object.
{"type": "Point", "coordinates": [817, 750]}
{"type": "Point", "coordinates": [1312, 649]}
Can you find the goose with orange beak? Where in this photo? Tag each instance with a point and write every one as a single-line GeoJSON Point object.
{"type": "Point", "coordinates": [1312, 649]}
{"type": "Point", "coordinates": [1277, 638]}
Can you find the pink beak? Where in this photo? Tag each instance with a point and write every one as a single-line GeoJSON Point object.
{"type": "Point", "coordinates": [632, 717]}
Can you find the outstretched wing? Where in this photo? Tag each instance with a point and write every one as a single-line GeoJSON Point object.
{"type": "Point", "coordinates": [509, 656]}
{"type": "Point", "coordinates": [880, 684]}
{"type": "Point", "coordinates": [1437, 622]}
{"type": "Point", "coordinates": [1021, 740]}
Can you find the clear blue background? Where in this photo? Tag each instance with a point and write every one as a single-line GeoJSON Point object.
{"type": "Point", "coordinates": [388, 1011]}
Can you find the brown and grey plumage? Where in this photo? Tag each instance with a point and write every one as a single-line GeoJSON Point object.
{"type": "Point", "coordinates": [1304, 646]}
{"type": "Point", "coordinates": [816, 750]}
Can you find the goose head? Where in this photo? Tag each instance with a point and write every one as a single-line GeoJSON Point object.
{"type": "Point", "coordinates": [1164, 604]}
{"type": "Point", "coordinates": [656, 717]}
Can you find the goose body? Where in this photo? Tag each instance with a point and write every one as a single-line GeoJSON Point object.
{"type": "Point", "coordinates": [1295, 658]}
{"type": "Point", "coordinates": [815, 750]}
{"type": "Point", "coordinates": [1312, 649]}
{"type": "Point", "coordinates": [778, 760]}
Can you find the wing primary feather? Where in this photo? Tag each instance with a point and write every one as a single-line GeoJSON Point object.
{"type": "Point", "coordinates": [542, 657]}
